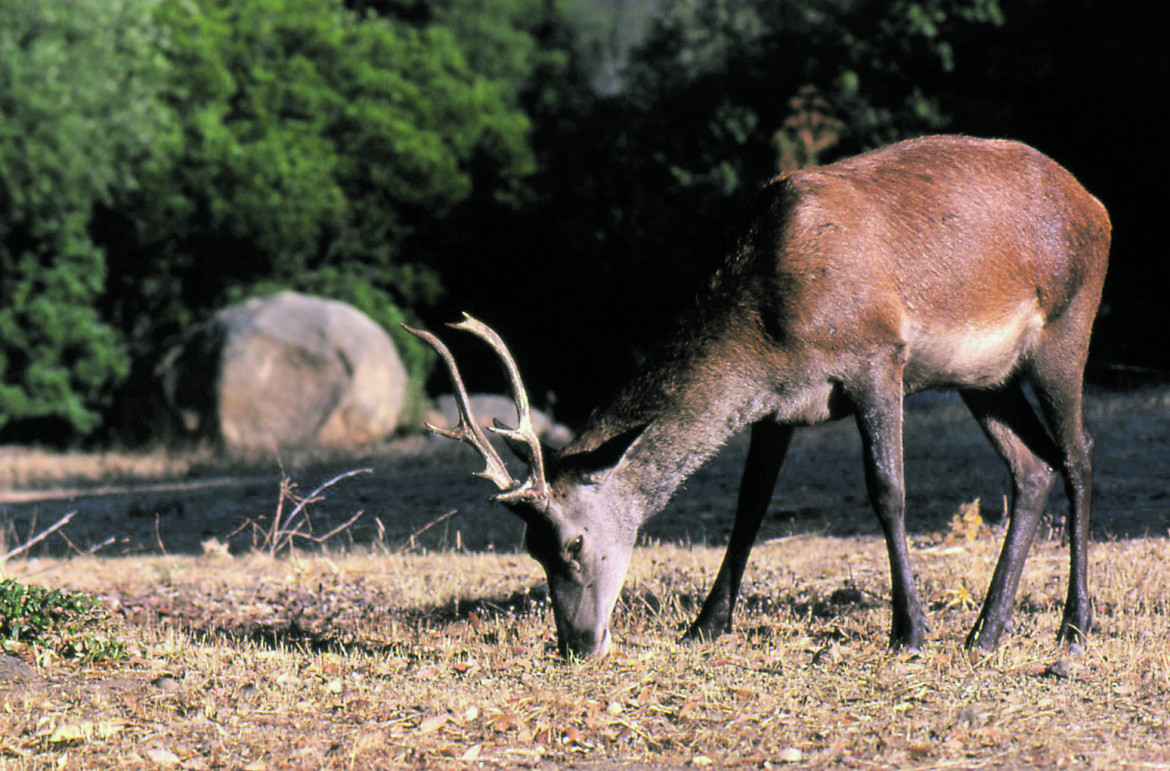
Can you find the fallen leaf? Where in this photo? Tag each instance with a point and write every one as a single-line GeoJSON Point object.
{"type": "Point", "coordinates": [472, 753]}
{"type": "Point", "coordinates": [213, 548]}
{"type": "Point", "coordinates": [81, 732]}
{"type": "Point", "coordinates": [433, 723]}
{"type": "Point", "coordinates": [506, 722]}
{"type": "Point", "coordinates": [163, 757]}
{"type": "Point", "coordinates": [165, 683]}
{"type": "Point", "coordinates": [427, 673]}
{"type": "Point", "coordinates": [73, 732]}
{"type": "Point", "coordinates": [790, 755]}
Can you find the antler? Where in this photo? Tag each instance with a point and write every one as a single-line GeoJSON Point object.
{"type": "Point", "coordinates": [535, 488]}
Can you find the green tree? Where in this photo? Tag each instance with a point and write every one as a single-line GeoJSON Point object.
{"type": "Point", "coordinates": [313, 140]}
{"type": "Point", "coordinates": [79, 118]}
{"type": "Point", "coordinates": [741, 67]}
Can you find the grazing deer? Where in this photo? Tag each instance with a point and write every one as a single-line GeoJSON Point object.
{"type": "Point", "coordinates": [934, 263]}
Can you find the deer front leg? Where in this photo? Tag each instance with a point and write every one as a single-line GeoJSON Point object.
{"type": "Point", "coordinates": [879, 419]}
{"type": "Point", "coordinates": [769, 445]}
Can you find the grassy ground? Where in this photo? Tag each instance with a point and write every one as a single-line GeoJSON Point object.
{"type": "Point", "coordinates": [387, 650]}
{"type": "Point", "coordinates": [349, 660]}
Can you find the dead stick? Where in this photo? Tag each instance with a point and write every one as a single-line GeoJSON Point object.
{"type": "Point", "coordinates": [313, 497]}
{"type": "Point", "coordinates": [290, 534]}
{"type": "Point", "coordinates": [410, 541]}
{"type": "Point", "coordinates": [40, 537]}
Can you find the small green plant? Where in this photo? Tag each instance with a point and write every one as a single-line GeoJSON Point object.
{"type": "Point", "coordinates": [55, 622]}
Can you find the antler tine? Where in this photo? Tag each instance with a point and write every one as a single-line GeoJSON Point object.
{"type": "Point", "coordinates": [468, 430]}
{"type": "Point", "coordinates": [536, 485]}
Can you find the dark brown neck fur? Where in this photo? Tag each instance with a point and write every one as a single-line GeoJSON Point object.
{"type": "Point", "coordinates": [694, 392]}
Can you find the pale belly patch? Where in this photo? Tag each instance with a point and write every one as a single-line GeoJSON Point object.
{"type": "Point", "coordinates": [970, 355]}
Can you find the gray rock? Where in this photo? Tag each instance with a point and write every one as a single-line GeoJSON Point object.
{"type": "Point", "coordinates": [491, 407]}
{"type": "Point", "coordinates": [288, 370]}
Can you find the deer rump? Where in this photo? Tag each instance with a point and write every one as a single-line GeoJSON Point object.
{"type": "Point", "coordinates": [941, 262]}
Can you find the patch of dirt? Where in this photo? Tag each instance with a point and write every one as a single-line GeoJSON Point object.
{"type": "Point", "coordinates": [415, 483]}
{"type": "Point", "coordinates": [13, 670]}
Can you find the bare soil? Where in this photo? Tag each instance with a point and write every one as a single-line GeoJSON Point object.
{"type": "Point", "coordinates": [173, 505]}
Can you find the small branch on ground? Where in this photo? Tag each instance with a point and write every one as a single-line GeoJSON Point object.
{"type": "Point", "coordinates": [283, 535]}
{"type": "Point", "coordinates": [38, 538]}
{"type": "Point", "coordinates": [410, 543]}
{"type": "Point", "coordinates": [158, 534]}
{"type": "Point", "coordinates": [284, 530]}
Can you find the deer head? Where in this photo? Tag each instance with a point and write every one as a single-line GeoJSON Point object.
{"type": "Point", "coordinates": [585, 556]}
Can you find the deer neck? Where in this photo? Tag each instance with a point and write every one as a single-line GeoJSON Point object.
{"type": "Point", "coordinates": [690, 398]}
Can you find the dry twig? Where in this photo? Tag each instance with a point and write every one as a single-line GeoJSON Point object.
{"type": "Point", "coordinates": [38, 538]}
{"type": "Point", "coordinates": [410, 543]}
{"type": "Point", "coordinates": [282, 534]}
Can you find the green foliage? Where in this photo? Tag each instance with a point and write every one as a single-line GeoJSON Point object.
{"type": "Point", "coordinates": [311, 142]}
{"type": "Point", "coordinates": [78, 121]}
{"type": "Point", "coordinates": [69, 624]}
{"type": "Point", "coordinates": [740, 62]}
{"type": "Point", "coordinates": [314, 138]}
{"type": "Point", "coordinates": [160, 157]}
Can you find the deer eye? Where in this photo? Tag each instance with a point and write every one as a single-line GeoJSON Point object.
{"type": "Point", "coordinates": [573, 548]}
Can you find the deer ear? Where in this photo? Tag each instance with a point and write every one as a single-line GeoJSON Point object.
{"type": "Point", "coordinates": [597, 464]}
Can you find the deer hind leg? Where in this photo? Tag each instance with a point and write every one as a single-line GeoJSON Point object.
{"type": "Point", "coordinates": [878, 408]}
{"type": "Point", "coordinates": [1022, 441]}
{"type": "Point", "coordinates": [1057, 378]}
{"type": "Point", "coordinates": [769, 445]}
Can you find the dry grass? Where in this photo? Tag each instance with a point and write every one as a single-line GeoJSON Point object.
{"type": "Point", "coordinates": [350, 660]}
{"type": "Point", "coordinates": [29, 467]}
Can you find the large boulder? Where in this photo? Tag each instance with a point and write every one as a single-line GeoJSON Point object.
{"type": "Point", "coordinates": [288, 370]}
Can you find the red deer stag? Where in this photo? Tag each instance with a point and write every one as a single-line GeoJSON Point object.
{"type": "Point", "coordinates": [935, 263]}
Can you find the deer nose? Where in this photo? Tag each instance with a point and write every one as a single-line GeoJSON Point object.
{"type": "Point", "coordinates": [586, 643]}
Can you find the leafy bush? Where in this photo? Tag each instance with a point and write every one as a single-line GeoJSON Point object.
{"type": "Point", "coordinates": [68, 624]}
{"type": "Point", "coordinates": [314, 140]}
{"type": "Point", "coordinates": [79, 117]}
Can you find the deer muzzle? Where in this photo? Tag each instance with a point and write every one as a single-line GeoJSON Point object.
{"type": "Point", "coordinates": [584, 644]}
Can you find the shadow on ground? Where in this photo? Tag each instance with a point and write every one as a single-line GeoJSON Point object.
{"type": "Point", "coordinates": [420, 495]}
